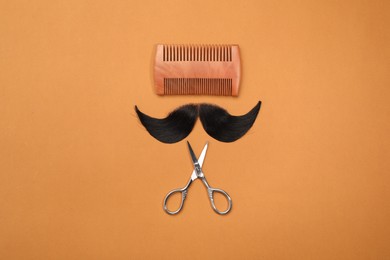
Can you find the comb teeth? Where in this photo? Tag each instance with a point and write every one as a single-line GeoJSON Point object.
{"type": "Point", "coordinates": [197, 53]}
{"type": "Point", "coordinates": [197, 86]}
{"type": "Point", "coordinates": [197, 70]}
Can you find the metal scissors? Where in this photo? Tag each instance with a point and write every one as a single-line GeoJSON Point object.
{"type": "Point", "coordinates": [197, 173]}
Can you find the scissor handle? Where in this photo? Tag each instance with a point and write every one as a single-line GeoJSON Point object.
{"type": "Point", "coordinates": [183, 192]}
{"type": "Point", "coordinates": [224, 193]}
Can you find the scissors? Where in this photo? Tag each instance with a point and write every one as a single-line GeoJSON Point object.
{"type": "Point", "coordinates": [197, 173]}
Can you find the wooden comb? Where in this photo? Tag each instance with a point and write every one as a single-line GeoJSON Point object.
{"type": "Point", "coordinates": [197, 70]}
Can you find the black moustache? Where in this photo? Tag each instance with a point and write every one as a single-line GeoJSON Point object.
{"type": "Point", "coordinates": [216, 121]}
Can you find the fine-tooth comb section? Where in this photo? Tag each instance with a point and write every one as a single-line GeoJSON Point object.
{"type": "Point", "coordinates": [197, 86]}
{"type": "Point", "coordinates": [197, 70]}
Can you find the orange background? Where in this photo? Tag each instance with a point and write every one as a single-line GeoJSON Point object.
{"type": "Point", "coordinates": [80, 178]}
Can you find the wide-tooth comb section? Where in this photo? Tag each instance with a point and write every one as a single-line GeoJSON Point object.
{"type": "Point", "coordinates": [197, 53]}
{"type": "Point", "coordinates": [197, 70]}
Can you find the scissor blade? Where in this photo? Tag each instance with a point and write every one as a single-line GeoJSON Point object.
{"type": "Point", "coordinates": [203, 154]}
{"type": "Point", "coordinates": [200, 161]}
{"type": "Point", "coordinates": [193, 156]}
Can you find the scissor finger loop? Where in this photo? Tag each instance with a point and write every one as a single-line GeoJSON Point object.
{"type": "Point", "coordinates": [183, 194]}
{"type": "Point", "coordinates": [224, 193]}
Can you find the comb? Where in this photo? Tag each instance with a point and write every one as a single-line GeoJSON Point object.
{"type": "Point", "coordinates": [197, 70]}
